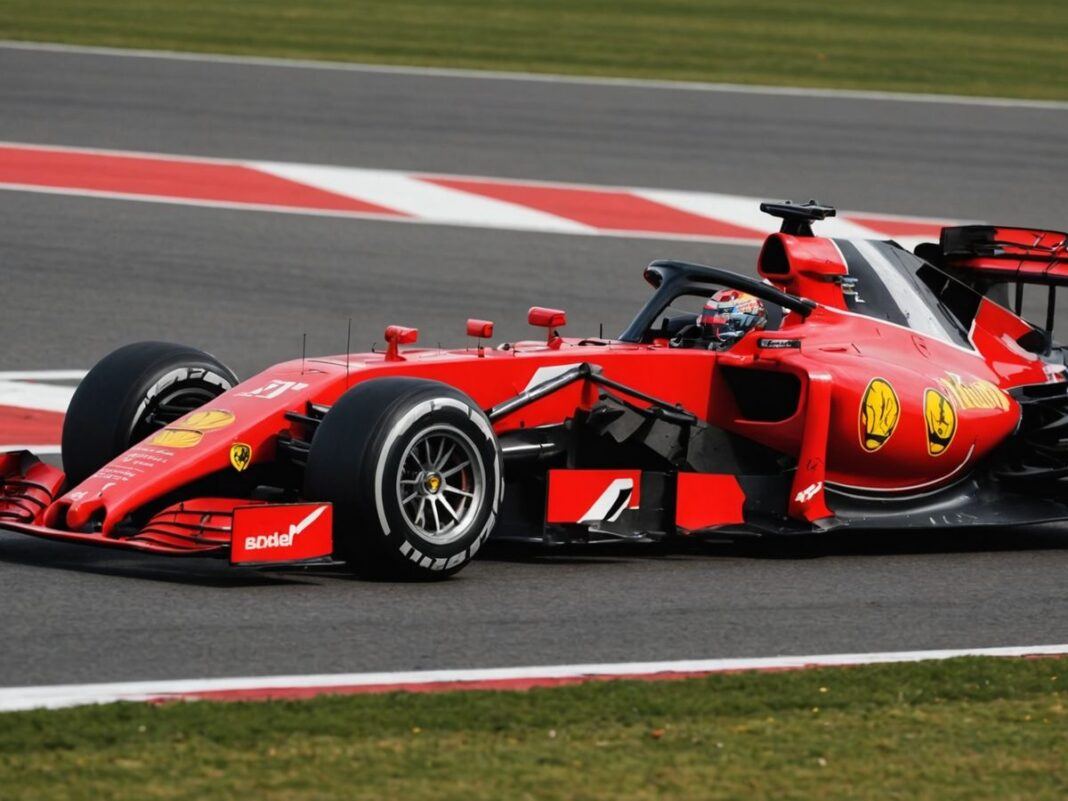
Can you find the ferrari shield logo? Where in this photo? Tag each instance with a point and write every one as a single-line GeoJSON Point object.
{"type": "Point", "coordinates": [240, 456]}
{"type": "Point", "coordinates": [879, 413]}
{"type": "Point", "coordinates": [941, 419]}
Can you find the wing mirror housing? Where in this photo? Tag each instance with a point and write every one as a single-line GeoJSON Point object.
{"type": "Point", "coordinates": [549, 319]}
{"type": "Point", "coordinates": [480, 329]}
{"type": "Point", "coordinates": [397, 335]}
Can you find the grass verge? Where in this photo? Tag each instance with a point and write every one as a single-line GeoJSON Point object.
{"type": "Point", "coordinates": [962, 729]}
{"type": "Point", "coordinates": [981, 47]}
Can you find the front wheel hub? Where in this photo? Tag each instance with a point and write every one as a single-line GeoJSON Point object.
{"type": "Point", "coordinates": [432, 483]}
{"type": "Point", "coordinates": [441, 484]}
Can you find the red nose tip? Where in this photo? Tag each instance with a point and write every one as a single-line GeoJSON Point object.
{"type": "Point", "coordinates": [81, 512]}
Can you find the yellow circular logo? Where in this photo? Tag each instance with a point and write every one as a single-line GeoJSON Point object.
{"type": "Point", "coordinates": [879, 413]}
{"type": "Point", "coordinates": [177, 438]}
{"type": "Point", "coordinates": [188, 431]}
{"type": "Point", "coordinates": [941, 420]}
{"type": "Point", "coordinates": [208, 420]}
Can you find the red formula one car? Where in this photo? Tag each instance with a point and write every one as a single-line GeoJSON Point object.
{"type": "Point", "coordinates": [857, 386]}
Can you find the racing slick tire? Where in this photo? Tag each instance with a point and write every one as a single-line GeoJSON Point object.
{"type": "Point", "coordinates": [132, 392]}
{"type": "Point", "coordinates": [414, 471]}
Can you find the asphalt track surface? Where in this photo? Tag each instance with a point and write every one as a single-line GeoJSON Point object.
{"type": "Point", "coordinates": [81, 276]}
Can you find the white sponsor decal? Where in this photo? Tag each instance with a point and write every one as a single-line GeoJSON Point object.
{"type": "Point", "coordinates": [613, 496]}
{"type": "Point", "coordinates": [543, 374]}
{"type": "Point", "coordinates": [259, 542]}
{"type": "Point", "coordinates": [273, 389]}
{"type": "Point", "coordinates": [809, 492]}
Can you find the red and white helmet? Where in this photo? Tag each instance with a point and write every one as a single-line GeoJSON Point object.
{"type": "Point", "coordinates": [730, 314]}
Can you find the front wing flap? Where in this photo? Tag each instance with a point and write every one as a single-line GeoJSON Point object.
{"type": "Point", "coordinates": [250, 532]}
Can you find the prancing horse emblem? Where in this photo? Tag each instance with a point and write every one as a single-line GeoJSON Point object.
{"type": "Point", "coordinates": [240, 456]}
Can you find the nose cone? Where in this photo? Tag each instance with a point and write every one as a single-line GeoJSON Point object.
{"type": "Point", "coordinates": [80, 512]}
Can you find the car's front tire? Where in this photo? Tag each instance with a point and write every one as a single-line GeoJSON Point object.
{"type": "Point", "coordinates": [129, 394]}
{"type": "Point", "coordinates": [413, 469]}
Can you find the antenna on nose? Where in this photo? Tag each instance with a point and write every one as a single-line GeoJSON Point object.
{"type": "Point", "coordinates": [348, 349]}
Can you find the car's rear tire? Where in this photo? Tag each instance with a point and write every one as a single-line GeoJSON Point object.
{"type": "Point", "coordinates": [414, 471]}
{"type": "Point", "coordinates": [129, 394]}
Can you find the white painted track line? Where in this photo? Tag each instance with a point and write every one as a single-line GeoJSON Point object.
{"type": "Point", "coordinates": [396, 196]}
{"type": "Point", "coordinates": [420, 199]}
{"type": "Point", "coordinates": [29, 395]}
{"type": "Point", "coordinates": [499, 75]}
{"type": "Point", "coordinates": [745, 211]}
{"type": "Point", "coordinates": [42, 375]}
{"type": "Point", "coordinates": [66, 695]}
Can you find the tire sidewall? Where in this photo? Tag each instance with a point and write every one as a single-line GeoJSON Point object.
{"type": "Point", "coordinates": [410, 422]}
{"type": "Point", "coordinates": [353, 464]}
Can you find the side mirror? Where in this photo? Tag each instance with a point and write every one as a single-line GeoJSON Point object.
{"type": "Point", "coordinates": [546, 318]}
{"type": "Point", "coordinates": [550, 319]}
{"type": "Point", "coordinates": [397, 335]}
{"type": "Point", "coordinates": [480, 329]}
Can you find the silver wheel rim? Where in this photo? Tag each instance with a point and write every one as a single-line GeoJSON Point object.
{"type": "Point", "coordinates": [440, 484]}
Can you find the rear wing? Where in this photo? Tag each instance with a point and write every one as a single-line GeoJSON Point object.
{"type": "Point", "coordinates": [986, 256]}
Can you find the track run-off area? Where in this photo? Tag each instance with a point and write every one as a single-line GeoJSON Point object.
{"type": "Point", "coordinates": [141, 202]}
{"type": "Point", "coordinates": [401, 197]}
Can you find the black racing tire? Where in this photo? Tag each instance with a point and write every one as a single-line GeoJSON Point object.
{"type": "Point", "coordinates": [129, 394]}
{"type": "Point", "coordinates": [405, 505]}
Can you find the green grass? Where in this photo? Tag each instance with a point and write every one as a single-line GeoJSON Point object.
{"type": "Point", "coordinates": [983, 47]}
{"type": "Point", "coordinates": [965, 729]}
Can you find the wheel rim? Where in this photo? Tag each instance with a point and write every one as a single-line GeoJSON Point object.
{"type": "Point", "coordinates": [170, 406]}
{"type": "Point", "coordinates": [441, 484]}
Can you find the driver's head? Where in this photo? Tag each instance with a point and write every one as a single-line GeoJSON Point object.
{"type": "Point", "coordinates": [730, 314]}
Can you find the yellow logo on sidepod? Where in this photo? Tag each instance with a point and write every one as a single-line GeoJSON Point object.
{"type": "Point", "coordinates": [941, 419]}
{"type": "Point", "coordinates": [879, 413]}
{"type": "Point", "coordinates": [978, 394]}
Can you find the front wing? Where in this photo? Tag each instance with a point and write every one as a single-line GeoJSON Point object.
{"type": "Point", "coordinates": [249, 532]}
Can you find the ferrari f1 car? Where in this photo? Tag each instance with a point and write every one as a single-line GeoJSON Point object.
{"type": "Point", "coordinates": [882, 389]}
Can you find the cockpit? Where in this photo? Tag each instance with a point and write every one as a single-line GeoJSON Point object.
{"type": "Point", "coordinates": [709, 308]}
{"type": "Point", "coordinates": [714, 309]}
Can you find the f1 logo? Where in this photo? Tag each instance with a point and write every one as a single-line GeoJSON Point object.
{"type": "Point", "coordinates": [610, 505]}
{"type": "Point", "coordinates": [592, 496]}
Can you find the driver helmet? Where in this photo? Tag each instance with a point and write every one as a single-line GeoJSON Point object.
{"type": "Point", "coordinates": [730, 314]}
